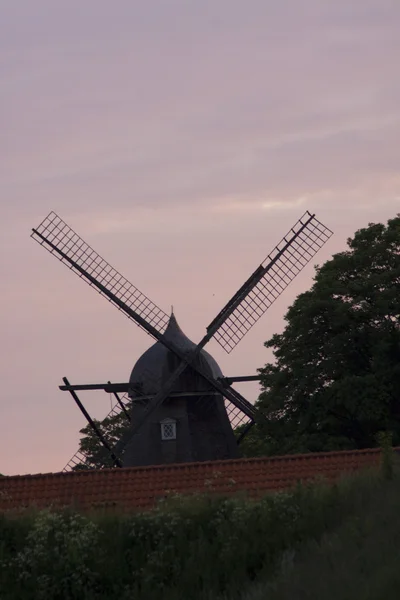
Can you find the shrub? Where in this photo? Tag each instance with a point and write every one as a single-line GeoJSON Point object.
{"type": "Point", "coordinates": [186, 547]}
{"type": "Point", "coordinates": [58, 558]}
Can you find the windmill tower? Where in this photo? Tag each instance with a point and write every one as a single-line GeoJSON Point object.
{"type": "Point", "coordinates": [183, 408]}
{"type": "Point", "coordinates": [192, 423]}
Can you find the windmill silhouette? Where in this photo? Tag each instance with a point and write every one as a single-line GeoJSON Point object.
{"type": "Point", "coordinates": [182, 408]}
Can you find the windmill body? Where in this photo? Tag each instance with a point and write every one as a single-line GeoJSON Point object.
{"type": "Point", "coordinates": [192, 423]}
{"type": "Point", "coordinates": [183, 408]}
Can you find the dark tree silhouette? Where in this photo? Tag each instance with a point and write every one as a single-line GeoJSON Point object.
{"type": "Point", "coordinates": [336, 379]}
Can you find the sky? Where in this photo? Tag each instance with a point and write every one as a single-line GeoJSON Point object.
{"type": "Point", "coordinates": [181, 139]}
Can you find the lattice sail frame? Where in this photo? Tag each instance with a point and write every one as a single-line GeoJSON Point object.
{"type": "Point", "coordinates": [281, 266]}
{"type": "Point", "coordinates": [80, 459]}
{"type": "Point", "coordinates": [62, 241]}
{"type": "Point", "coordinates": [235, 415]}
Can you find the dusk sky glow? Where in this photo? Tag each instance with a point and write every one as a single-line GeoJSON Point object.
{"type": "Point", "coordinates": [181, 139]}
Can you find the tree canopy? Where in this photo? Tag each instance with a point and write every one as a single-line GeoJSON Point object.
{"type": "Point", "coordinates": [335, 382]}
{"type": "Point", "coordinates": [95, 454]}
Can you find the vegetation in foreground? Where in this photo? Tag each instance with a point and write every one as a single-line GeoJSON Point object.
{"type": "Point", "coordinates": [359, 559]}
{"type": "Point", "coordinates": [201, 547]}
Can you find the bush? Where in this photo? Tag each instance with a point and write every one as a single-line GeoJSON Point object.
{"type": "Point", "coordinates": [186, 547]}
{"type": "Point", "coordinates": [357, 559]}
{"type": "Point", "coordinates": [57, 560]}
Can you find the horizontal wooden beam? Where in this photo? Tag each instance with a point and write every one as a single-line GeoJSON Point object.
{"type": "Point", "coordinates": [229, 380]}
{"type": "Point", "coordinates": [115, 388]}
{"type": "Point", "coordinates": [110, 388]}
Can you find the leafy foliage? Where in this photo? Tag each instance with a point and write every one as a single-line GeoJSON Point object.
{"type": "Point", "coordinates": [112, 428]}
{"type": "Point", "coordinates": [336, 380]}
{"type": "Point", "coordinates": [57, 559]}
{"type": "Point", "coordinates": [96, 455]}
{"type": "Point", "coordinates": [354, 560]}
{"type": "Point", "coordinates": [187, 547]}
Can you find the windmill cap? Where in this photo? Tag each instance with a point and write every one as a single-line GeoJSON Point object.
{"type": "Point", "coordinates": [157, 363]}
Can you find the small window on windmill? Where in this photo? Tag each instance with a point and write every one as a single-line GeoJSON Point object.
{"type": "Point", "coordinates": [168, 429]}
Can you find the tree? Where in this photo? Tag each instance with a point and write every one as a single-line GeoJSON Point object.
{"type": "Point", "coordinates": [255, 443]}
{"type": "Point", "coordinates": [335, 383]}
{"type": "Point", "coordinates": [95, 456]}
{"type": "Point", "coordinates": [94, 453]}
{"type": "Point", "coordinates": [336, 379]}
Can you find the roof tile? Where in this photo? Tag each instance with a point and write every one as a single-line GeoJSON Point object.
{"type": "Point", "coordinates": [141, 487]}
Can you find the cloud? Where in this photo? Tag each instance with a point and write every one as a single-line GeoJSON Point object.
{"type": "Point", "coordinates": [182, 140]}
{"type": "Point", "coordinates": [283, 100]}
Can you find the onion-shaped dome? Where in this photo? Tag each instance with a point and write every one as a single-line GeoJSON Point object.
{"type": "Point", "coordinates": [157, 363]}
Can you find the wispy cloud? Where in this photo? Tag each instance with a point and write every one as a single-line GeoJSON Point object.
{"type": "Point", "coordinates": [182, 139]}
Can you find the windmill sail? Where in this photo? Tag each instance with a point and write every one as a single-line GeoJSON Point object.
{"type": "Point", "coordinates": [268, 281]}
{"type": "Point", "coordinates": [82, 459]}
{"type": "Point", "coordinates": [59, 239]}
{"type": "Point", "coordinates": [250, 302]}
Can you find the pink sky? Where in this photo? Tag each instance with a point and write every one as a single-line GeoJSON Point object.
{"type": "Point", "coordinates": [181, 139]}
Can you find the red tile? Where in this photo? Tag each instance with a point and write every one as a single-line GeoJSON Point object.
{"type": "Point", "coordinates": [112, 489]}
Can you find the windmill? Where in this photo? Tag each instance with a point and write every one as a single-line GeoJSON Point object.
{"type": "Point", "coordinates": [211, 403]}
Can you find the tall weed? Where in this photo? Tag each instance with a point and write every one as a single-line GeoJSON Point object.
{"type": "Point", "coordinates": [357, 559]}
{"type": "Point", "coordinates": [197, 547]}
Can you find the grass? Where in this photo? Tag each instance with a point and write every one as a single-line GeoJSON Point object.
{"type": "Point", "coordinates": [359, 559]}
{"type": "Point", "coordinates": [317, 541]}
